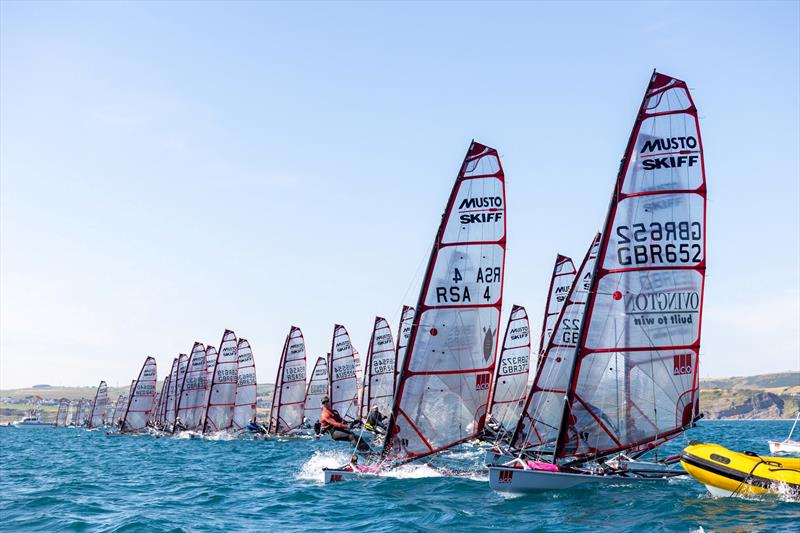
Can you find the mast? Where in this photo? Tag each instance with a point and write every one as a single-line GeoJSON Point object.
{"type": "Point", "coordinates": [511, 372]}
{"type": "Point", "coordinates": [99, 403]}
{"type": "Point", "coordinates": [183, 363]}
{"type": "Point", "coordinates": [560, 284]}
{"type": "Point", "coordinates": [343, 381]}
{"type": "Point", "coordinates": [140, 403]}
{"type": "Point", "coordinates": [222, 395]}
{"type": "Point", "coordinates": [276, 393]}
{"type": "Point", "coordinates": [244, 409]}
{"type": "Point", "coordinates": [445, 380]}
{"type": "Point", "coordinates": [648, 281]}
{"type": "Point", "coordinates": [288, 399]}
{"type": "Point", "coordinates": [192, 398]}
{"type": "Point", "coordinates": [380, 370]}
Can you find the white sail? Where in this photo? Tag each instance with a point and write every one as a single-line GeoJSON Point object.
{"type": "Point", "coordinates": [446, 378]}
{"type": "Point", "coordinates": [86, 413]}
{"type": "Point", "coordinates": [192, 400]}
{"type": "Point", "coordinates": [511, 378]}
{"type": "Point", "coordinates": [171, 404]}
{"type": "Point", "coordinates": [61, 416]}
{"type": "Point", "coordinates": [317, 388]}
{"type": "Point", "coordinates": [73, 413]}
{"type": "Point", "coordinates": [343, 380]}
{"type": "Point", "coordinates": [288, 399]}
{"type": "Point", "coordinates": [542, 414]}
{"type": "Point", "coordinates": [119, 409]}
{"type": "Point", "coordinates": [379, 376]}
{"type": "Point", "coordinates": [222, 398]}
{"type": "Point", "coordinates": [403, 337]}
{"type": "Point", "coordinates": [140, 404]}
{"type": "Point", "coordinates": [211, 361]}
{"type": "Point", "coordinates": [99, 405]}
{"type": "Point", "coordinates": [560, 284]}
{"type": "Point", "coordinates": [183, 365]}
{"type": "Point", "coordinates": [244, 409]}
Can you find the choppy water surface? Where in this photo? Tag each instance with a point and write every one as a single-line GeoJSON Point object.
{"type": "Point", "coordinates": [70, 479]}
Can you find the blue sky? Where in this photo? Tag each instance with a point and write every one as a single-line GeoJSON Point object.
{"type": "Point", "coordinates": [170, 170]}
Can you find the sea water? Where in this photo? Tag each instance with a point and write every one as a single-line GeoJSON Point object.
{"type": "Point", "coordinates": [70, 479]}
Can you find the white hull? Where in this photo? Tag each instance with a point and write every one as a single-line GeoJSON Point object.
{"type": "Point", "coordinates": [334, 475]}
{"type": "Point", "coordinates": [787, 446]}
{"type": "Point", "coordinates": [494, 457]}
{"type": "Point", "coordinates": [504, 479]}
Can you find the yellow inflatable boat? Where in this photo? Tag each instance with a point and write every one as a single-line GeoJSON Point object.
{"type": "Point", "coordinates": [726, 473]}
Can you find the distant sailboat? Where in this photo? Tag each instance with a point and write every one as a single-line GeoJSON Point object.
{"type": "Point", "coordinates": [97, 418]}
{"type": "Point", "coordinates": [140, 404]}
{"type": "Point", "coordinates": [318, 386]}
{"type": "Point", "coordinates": [61, 415]}
{"type": "Point", "coordinates": [286, 413]}
{"type": "Point", "coordinates": [222, 396]}
{"type": "Point", "coordinates": [343, 380]}
{"type": "Point", "coordinates": [244, 409]}
{"type": "Point", "coordinates": [194, 391]}
{"type": "Point", "coordinates": [379, 371]}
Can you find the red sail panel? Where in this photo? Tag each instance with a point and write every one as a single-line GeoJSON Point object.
{"type": "Point", "coordinates": [511, 377]}
{"type": "Point", "coordinates": [140, 403]}
{"type": "Point", "coordinates": [635, 379]}
{"type": "Point", "coordinates": [544, 405]}
{"type": "Point", "coordinates": [290, 385]}
{"type": "Point", "coordinates": [192, 399]}
{"type": "Point", "coordinates": [403, 338]}
{"type": "Point", "coordinates": [444, 385]}
{"type": "Point", "coordinates": [379, 372]}
{"type": "Point", "coordinates": [560, 284]}
{"type": "Point", "coordinates": [244, 410]}
{"type": "Point", "coordinates": [318, 386]}
{"type": "Point", "coordinates": [222, 395]}
{"type": "Point", "coordinates": [343, 380]}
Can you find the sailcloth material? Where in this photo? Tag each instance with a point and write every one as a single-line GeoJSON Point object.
{"type": "Point", "coordinates": [317, 388]}
{"type": "Point", "coordinates": [290, 385]}
{"type": "Point", "coordinates": [99, 406]}
{"type": "Point", "coordinates": [511, 377]}
{"type": "Point", "coordinates": [140, 403]}
{"type": "Point", "coordinates": [445, 381]}
{"type": "Point", "coordinates": [222, 398]}
{"type": "Point", "coordinates": [343, 379]}
{"type": "Point", "coordinates": [379, 372]}
{"type": "Point", "coordinates": [560, 284]}
{"type": "Point", "coordinates": [192, 399]}
{"type": "Point", "coordinates": [244, 410]}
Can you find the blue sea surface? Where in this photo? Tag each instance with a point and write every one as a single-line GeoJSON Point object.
{"type": "Point", "coordinates": [70, 479]}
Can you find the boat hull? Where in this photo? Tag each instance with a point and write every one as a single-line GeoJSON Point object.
{"type": "Point", "coordinates": [494, 457]}
{"type": "Point", "coordinates": [335, 475]}
{"type": "Point", "coordinates": [791, 446]}
{"type": "Point", "coordinates": [725, 472]}
{"type": "Point", "coordinates": [508, 479]}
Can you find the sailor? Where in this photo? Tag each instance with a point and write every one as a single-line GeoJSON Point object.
{"type": "Point", "coordinates": [375, 421]}
{"type": "Point", "coordinates": [331, 422]}
{"type": "Point", "coordinates": [179, 425]}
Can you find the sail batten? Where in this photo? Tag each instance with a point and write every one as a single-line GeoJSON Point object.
{"type": "Point", "coordinates": [222, 395]}
{"type": "Point", "coordinates": [288, 399]}
{"type": "Point", "coordinates": [343, 378]}
{"type": "Point", "coordinates": [244, 409]}
{"type": "Point", "coordinates": [446, 376]}
{"type": "Point", "coordinates": [379, 372]}
{"type": "Point", "coordinates": [140, 404]}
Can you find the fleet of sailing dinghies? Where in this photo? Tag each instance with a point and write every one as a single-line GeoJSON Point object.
{"type": "Point", "coordinates": [318, 386]}
{"type": "Point", "coordinates": [343, 380]}
{"type": "Point", "coordinates": [511, 374]}
{"type": "Point", "coordinates": [288, 398]}
{"type": "Point", "coordinates": [222, 396]}
{"type": "Point", "coordinates": [119, 409]}
{"type": "Point", "coordinates": [140, 403]}
{"type": "Point", "coordinates": [99, 406]}
{"type": "Point", "coordinates": [61, 415]}
{"type": "Point", "coordinates": [194, 391]}
{"type": "Point", "coordinates": [379, 371]}
{"type": "Point", "coordinates": [244, 409]}
{"type": "Point", "coordinates": [631, 382]}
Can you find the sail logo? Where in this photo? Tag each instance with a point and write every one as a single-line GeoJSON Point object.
{"type": "Point", "coordinates": [384, 339]}
{"type": "Point", "coordinates": [505, 476]}
{"type": "Point", "coordinates": [519, 333]}
{"type": "Point", "coordinates": [669, 143]}
{"type": "Point", "coordinates": [482, 381]}
{"type": "Point", "coordinates": [681, 364]}
{"type": "Point", "coordinates": [492, 204]}
{"type": "Point", "coordinates": [342, 345]}
{"type": "Point", "coordinates": [484, 202]}
{"type": "Point", "coordinates": [297, 348]}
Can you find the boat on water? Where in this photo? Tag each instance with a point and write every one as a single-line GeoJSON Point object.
{"type": "Point", "coordinates": [787, 445]}
{"type": "Point", "coordinates": [288, 399]}
{"type": "Point", "coordinates": [728, 473]}
{"type": "Point", "coordinates": [446, 376]}
{"type": "Point", "coordinates": [620, 373]}
{"type": "Point", "coordinates": [33, 419]}
{"type": "Point", "coordinates": [222, 391]}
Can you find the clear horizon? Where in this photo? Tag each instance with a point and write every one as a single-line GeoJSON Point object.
{"type": "Point", "coordinates": [169, 170]}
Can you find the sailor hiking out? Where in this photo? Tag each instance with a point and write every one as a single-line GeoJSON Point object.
{"type": "Point", "coordinates": [331, 422]}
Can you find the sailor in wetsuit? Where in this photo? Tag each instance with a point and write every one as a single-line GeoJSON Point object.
{"type": "Point", "coordinates": [331, 422]}
{"type": "Point", "coordinates": [375, 421]}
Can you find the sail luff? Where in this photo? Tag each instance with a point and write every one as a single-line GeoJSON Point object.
{"type": "Point", "coordinates": [343, 380]}
{"type": "Point", "coordinates": [560, 283]}
{"type": "Point", "coordinates": [246, 398]}
{"type": "Point", "coordinates": [511, 371]}
{"type": "Point", "coordinates": [288, 400]}
{"type": "Point", "coordinates": [276, 393]}
{"type": "Point", "coordinates": [140, 403]}
{"type": "Point", "coordinates": [191, 401]}
{"type": "Point", "coordinates": [647, 290]}
{"type": "Point", "coordinates": [222, 395]}
{"type": "Point", "coordinates": [318, 386]}
{"type": "Point", "coordinates": [457, 258]}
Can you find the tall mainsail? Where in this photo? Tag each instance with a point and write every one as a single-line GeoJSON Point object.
{"type": "Point", "coordinates": [286, 412]}
{"type": "Point", "coordinates": [343, 379]}
{"type": "Point", "coordinates": [538, 425]}
{"type": "Point", "coordinates": [98, 411]}
{"type": "Point", "coordinates": [634, 383]}
{"type": "Point", "coordinates": [61, 416]}
{"type": "Point", "coordinates": [511, 377]}
{"type": "Point", "coordinates": [221, 399]}
{"type": "Point", "coordinates": [192, 399]}
{"type": "Point", "coordinates": [109, 414]}
{"type": "Point", "coordinates": [86, 412]}
{"type": "Point", "coordinates": [171, 403]}
{"type": "Point", "coordinates": [317, 388]}
{"type": "Point", "coordinates": [446, 377]}
{"type": "Point", "coordinates": [140, 404]}
{"type": "Point", "coordinates": [560, 284]}
{"type": "Point", "coordinates": [379, 372]}
{"type": "Point", "coordinates": [119, 409]}
{"type": "Point", "coordinates": [244, 410]}
{"type": "Point", "coordinates": [74, 412]}
{"type": "Point", "coordinates": [403, 336]}
{"type": "Point", "coordinates": [211, 361]}
{"type": "Point", "coordinates": [161, 403]}
{"type": "Point", "coordinates": [183, 365]}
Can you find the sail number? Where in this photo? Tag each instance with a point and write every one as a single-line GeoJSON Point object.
{"type": "Point", "coordinates": [460, 292]}
{"type": "Point", "coordinates": [657, 251]}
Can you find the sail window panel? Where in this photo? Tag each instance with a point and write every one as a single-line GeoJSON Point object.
{"type": "Point", "coordinates": [624, 398]}
{"type": "Point", "coordinates": [663, 230]}
{"type": "Point", "coordinates": [483, 165]}
{"type": "Point", "coordinates": [673, 99]}
{"type": "Point", "coordinates": [478, 212]}
{"type": "Point", "coordinates": [445, 408]}
{"type": "Point", "coordinates": [466, 276]}
{"type": "Point", "coordinates": [667, 155]}
{"type": "Point", "coordinates": [455, 339]}
{"type": "Point", "coordinates": [543, 427]}
{"type": "Point", "coordinates": [317, 388]}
